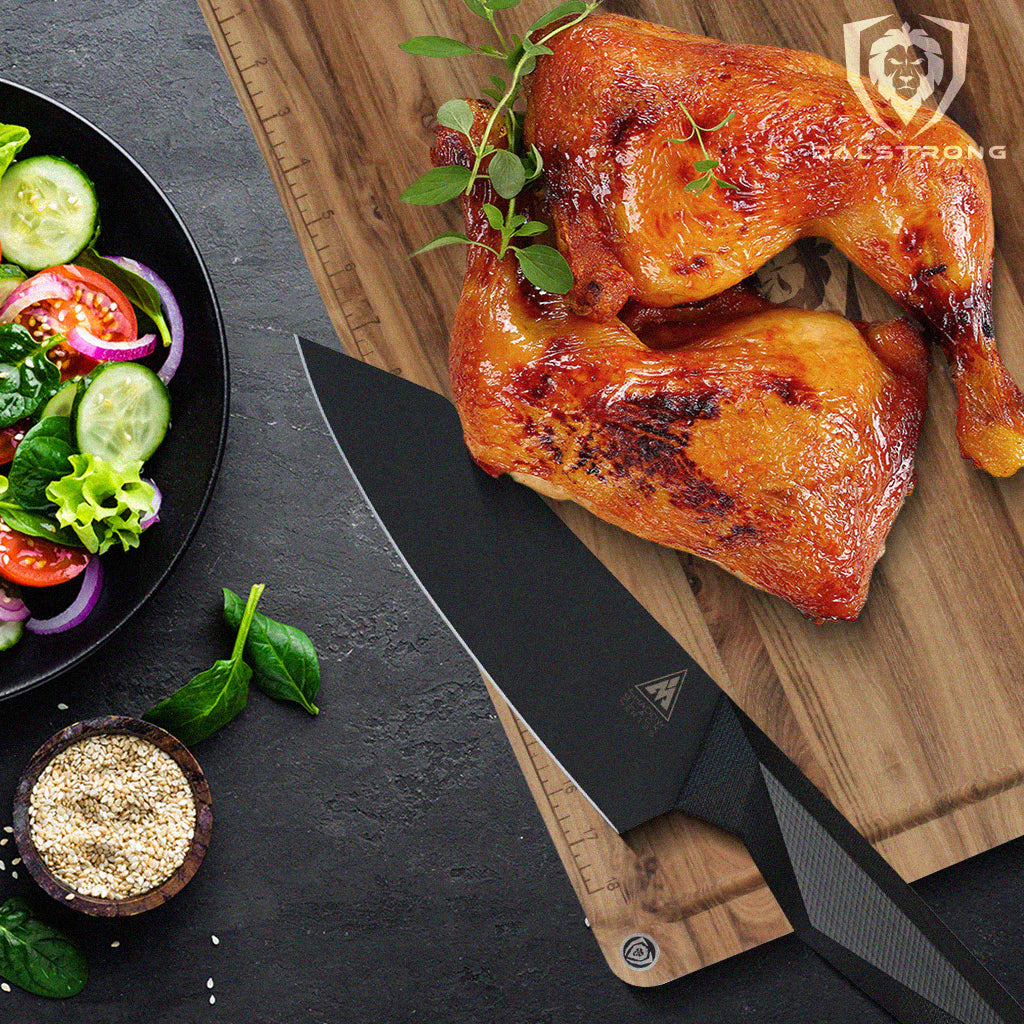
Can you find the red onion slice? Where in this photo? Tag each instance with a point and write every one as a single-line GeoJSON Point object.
{"type": "Point", "coordinates": [79, 609]}
{"type": "Point", "coordinates": [38, 288]}
{"type": "Point", "coordinates": [102, 351]}
{"type": "Point", "coordinates": [12, 608]}
{"type": "Point", "coordinates": [154, 517]}
{"type": "Point", "coordinates": [175, 323]}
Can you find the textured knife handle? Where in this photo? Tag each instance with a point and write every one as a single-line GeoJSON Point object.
{"type": "Point", "coordinates": [839, 894]}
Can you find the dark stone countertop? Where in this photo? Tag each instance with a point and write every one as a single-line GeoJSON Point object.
{"type": "Point", "coordinates": [383, 862]}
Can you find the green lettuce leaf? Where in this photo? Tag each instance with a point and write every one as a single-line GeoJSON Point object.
{"type": "Point", "coordinates": [102, 502]}
{"type": "Point", "coordinates": [12, 138]}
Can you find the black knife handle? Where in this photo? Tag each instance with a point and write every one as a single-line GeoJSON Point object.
{"type": "Point", "coordinates": [839, 894]}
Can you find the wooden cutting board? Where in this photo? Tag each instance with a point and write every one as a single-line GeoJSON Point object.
{"type": "Point", "coordinates": [911, 718]}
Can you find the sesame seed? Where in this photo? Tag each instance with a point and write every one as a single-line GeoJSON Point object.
{"type": "Point", "coordinates": [115, 944]}
{"type": "Point", "coordinates": [209, 982]}
{"type": "Point", "coordinates": [215, 940]}
{"type": "Point", "coordinates": [62, 707]}
{"type": "Point", "coordinates": [5, 986]}
{"type": "Point", "coordinates": [213, 999]}
{"type": "Point", "coordinates": [112, 816]}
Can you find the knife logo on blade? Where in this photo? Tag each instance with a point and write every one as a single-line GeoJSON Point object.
{"type": "Point", "coordinates": [662, 693]}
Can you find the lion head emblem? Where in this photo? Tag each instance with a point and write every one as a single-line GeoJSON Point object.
{"type": "Point", "coordinates": [906, 65]}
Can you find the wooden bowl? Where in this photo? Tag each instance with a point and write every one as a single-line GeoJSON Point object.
{"type": "Point", "coordinates": [114, 724]}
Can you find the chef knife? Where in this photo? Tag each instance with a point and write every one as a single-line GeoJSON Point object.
{"type": "Point", "coordinates": [625, 711]}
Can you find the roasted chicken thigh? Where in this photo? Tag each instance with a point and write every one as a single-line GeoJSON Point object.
{"type": "Point", "coordinates": [608, 112]}
{"type": "Point", "coordinates": [778, 443]}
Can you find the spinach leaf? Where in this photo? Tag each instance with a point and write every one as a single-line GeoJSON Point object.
{"type": "Point", "coordinates": [214, 697]}
{"type": "Point", "coordinates": [137, 290]}
{"type": "Point", "coordinates": [27, 377]}
{"type": "Point", "coordinates": [283, 659]}
{"type": "Point", "coordinates": [43, 456]}
{"type": "Point", "coordinates": [12, 138]}
{"type": "Point", "coordinates": [37, 957]}
{"type": "Point", "coordinates": [35, 524]}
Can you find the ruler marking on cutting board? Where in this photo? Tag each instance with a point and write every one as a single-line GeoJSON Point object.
{"type": "Point", "coordinates": [234, 28]}
{"type": "Point", "coordinates": [567, 805]}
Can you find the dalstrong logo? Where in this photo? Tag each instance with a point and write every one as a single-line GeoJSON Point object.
{"type": "Point", "coordinates": [640, 952]}
{"type": "Point", "coordinates": [662, 693]}
{"type": "Point", "coordinates": [908, 66]}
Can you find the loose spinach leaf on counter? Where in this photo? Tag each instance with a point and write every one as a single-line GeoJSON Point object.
{"type": "Point", "coordinates": [214, 697]}
{"type": "Point", "coordinates": [35, 956]}
{"type": "Point", "coordinates": [283, 659]}
{"type": "Point", "coordinates": [42, 457]}
{"type": "Point", "coordinates": [27, 377]}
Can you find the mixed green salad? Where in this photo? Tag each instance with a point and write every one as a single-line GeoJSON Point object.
{"type": "Point", "coordinates": [79, 413]}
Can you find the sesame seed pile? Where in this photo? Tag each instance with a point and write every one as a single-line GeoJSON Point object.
{"type": "Point", "coordinates": [112, 816]}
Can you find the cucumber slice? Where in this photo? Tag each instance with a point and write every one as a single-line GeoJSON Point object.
{"type": "Point", "coordinates": [63, 402]}
{"type": "Point", "coordinates": [48, 212]}
{"type": "Point", "coordinates": [10, 277]}
{"type": "Point", "coordinates": [10, 634]}
{"type": "Point", "coordinates": [124, 415]}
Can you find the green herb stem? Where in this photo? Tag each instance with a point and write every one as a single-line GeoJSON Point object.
{"type": "Point", "coordinates": [513, 91]}
{"type": "Point", "coordinates": [255, 593]}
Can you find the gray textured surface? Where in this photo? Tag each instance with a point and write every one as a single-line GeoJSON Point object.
{"type": "Point", "coordinates": [382, 863]}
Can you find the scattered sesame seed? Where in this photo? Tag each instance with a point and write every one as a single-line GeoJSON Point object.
{"type": "Point", "coordinates": [8, 829]}
{"type": "Point", "coordinates": [209, 982]}
{"type": "Point", "coordinates": [115, 944]}
{"type": "Point", "coordinates": [70, 896]}
{"type": "Point", "coordinates": [213, 999]}
{"type": "Point", "coordinates": [14, 874]}
{"type": "Point", "coordinates": [112, 816]}
{"type": "Point", "coordinates": [215, 940]}
{"type": "Point", "coordinates": [5, 986]}
{"type": "Point", "coordinates": [62, 707]}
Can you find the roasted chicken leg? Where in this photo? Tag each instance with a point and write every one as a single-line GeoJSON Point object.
{"type": "Point", "coordinates": [607, 110]}
{"type": "Point", "coordinates": [778, 443]}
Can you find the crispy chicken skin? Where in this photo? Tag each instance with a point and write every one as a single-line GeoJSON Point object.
{"type": "Point", "coordinates": [778, 443]}
{"type": "Point", "coordinates": [807, 160]}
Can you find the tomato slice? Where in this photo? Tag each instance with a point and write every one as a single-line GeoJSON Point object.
{"type": "Point", "coordinates": [10, 438]}
{"type": "Point", "coordinates": [34, 562]}
{"type": "Point", "coordinates": [66, 296]}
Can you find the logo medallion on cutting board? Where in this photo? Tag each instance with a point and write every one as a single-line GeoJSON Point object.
{"type": "Point", "coordinates": [663, 692]}
{"type": "Point", "coordinates": [639, 952]}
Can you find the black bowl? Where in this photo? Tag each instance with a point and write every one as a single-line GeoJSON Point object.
{"type": "Point", "coordinates": [136, 220]}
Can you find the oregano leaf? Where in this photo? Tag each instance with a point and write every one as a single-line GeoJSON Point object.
{"type": "Point", "coordinates": [436, 46]}
{"type": "Point", "coordinates": [437, 186]}
{"type": "Point", "coordinates": [546, 268]}
{"type": "Point", "coordinates": [448, 238]}
{"type": "Point", "coordinates": [705, 165]}
{"type": "Point", "coordinates": [457, 114]}
{"type": "Point", "coordinates": [494, 216]}
{"type": "Point", "coordinates": [570, 7]}
{"type": "Point", "coordinates": [533, 227]}
{"type": "Point", "coordinates": [506, 173]}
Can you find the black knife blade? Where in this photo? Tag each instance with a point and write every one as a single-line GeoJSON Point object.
{"type": "Point", "coordinates": [630, 717]}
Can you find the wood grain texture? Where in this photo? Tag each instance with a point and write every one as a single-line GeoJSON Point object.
{"type": "Point", "coordinates": [911, 718]}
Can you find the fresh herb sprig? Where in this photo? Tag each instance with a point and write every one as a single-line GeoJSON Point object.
{"type": "Point", "coordinates": [509, 170]}
{"type": "Point", "coordinates": [708, 165]}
